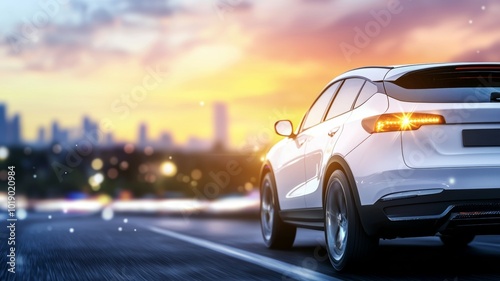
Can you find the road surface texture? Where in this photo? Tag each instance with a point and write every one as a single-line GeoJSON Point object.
{"type": "Point", "coordinates": [136, 247]}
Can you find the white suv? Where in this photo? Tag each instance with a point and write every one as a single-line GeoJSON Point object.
{"type": "Point", "coordinates": [388, 152]}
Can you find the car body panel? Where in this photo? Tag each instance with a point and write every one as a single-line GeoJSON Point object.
{"type": "Point", "coordinates": [287, 161]}
{"type": "Point", "coordinates": [318, 151]}
{"type": "Point", "coordinates": [441, 146]}
{"type": "Point", "coordinates": [349, 140]}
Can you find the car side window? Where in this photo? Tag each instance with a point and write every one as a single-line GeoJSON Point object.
{"type": "Point", "coordinates": [345, 98]}
{"type": "Point", "coordinates": [369, 89]}
{"type": "Point", "coordinates": [317, 110]}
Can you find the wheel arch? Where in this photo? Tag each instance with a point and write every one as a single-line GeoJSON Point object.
{"type": "Point", "coordinates": [335, 163]}
{"type": "Point", "coordinates": [268, 168]}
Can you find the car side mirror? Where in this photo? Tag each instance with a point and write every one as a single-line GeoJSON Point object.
{"type": "Point", "coordinates": [284, 128]}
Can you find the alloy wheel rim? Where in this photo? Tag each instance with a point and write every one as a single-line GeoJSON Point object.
{"type": "Point", "coordinates": [337, 222]}
{"type": "Point", "coordinates": [267, 211]}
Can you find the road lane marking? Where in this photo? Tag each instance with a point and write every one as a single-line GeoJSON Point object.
{"type": "Point", "coordinates": [288, 270]}
{"type": "Point", "coordinates": [485, 244]}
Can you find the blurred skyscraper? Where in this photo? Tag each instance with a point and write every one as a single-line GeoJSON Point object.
{"type": "Point", "coordinates": [221, 125]}
{"type": "Point", "coordinates": [14, 130]}
{"type": "Point", "coordinates": [143, 135]}
{"type": "Point", "coordinates": [41, 136]}
{"type": "Point", "coordinates": [91, 132]}
{"type": "Point", "coordinates": [3, 124]}
{"type": "Point", "coordinates": [89, 127]}
{"type": "Point", "coordinates": [59, 135]}
{"type": "Point", "coordinates": [10, 130]}
{"type": "Point", "coordinates": [55, 132]}
{"type": "Point", "coordinates": [166, 141]}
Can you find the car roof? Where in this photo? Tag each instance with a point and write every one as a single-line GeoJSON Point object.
{"type": "Point", "coordinates": [393, 72]}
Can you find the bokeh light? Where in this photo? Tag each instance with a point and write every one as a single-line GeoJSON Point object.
{"type": "Point", "coordinates": [96, 164]}
{"type": "Point", "coordinates": [107, 213]}
{"type": "Point", "coordinates": [129, 148]}
{"type": "Point", "coordinates": [248, 186]}
{"type": "Point", "coordinates": [151, 178]}
{"type": "Point", "coordinates": [95, 181]}
{"type": "Point", "coordinates": [21, 214]}
{"type": "Point", "coordinates": [4, 153]}
{"type": "Point", "coordinates": [124, 165]}
{"type": "Point", "coordinates": [113, 160]}
{"type": "Point", "coordinates": [168, 168]}
{"type": "Point", "coordinates": [112, 173]}
{"type": "Point", "coordinates": [143, 168]}
{"type": "Point", "coordinates": [196, 174]}
{"type": "Point", "coordinates": [57, 148]}
{"type": "Point", "coordinates": [104, 199]}
{"type": "Point", "coordinates": [148, 150]}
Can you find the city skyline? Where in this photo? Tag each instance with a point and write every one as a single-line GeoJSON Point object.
{"type": "Point", "coordinates": [11, 129]}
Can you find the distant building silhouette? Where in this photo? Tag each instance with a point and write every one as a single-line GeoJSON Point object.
{"type": "Point", "coordinates": [198, 144]}
{"type": "Point", "coordinates": [3, 124]}
{"type": "Point", "coordinates": [221, 125]}
{"type": "Point", "coordinates": [41, 136]}
{"type": "Point", "coordinates": [10, 130]}
{"type": "Point", "coordinates": [166, 141]}
{"type": "Point", "coordinates": [89, 127]}
{"type": "Point", "coordinates": [14, 131]}
{"type": "Point", "coordinates": [64, 136]}
{"type": "Point", "coordinates": [58, 134]}
{"type": "Point", "coordinates": [55, 132]}
{"type": "Point", "coordinates": [90, 132]}
{"type": "Point", "coordinates": [143, 135]}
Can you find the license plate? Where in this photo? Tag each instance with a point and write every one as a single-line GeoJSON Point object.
{"type": "Point", "coordinates": [481, 138]}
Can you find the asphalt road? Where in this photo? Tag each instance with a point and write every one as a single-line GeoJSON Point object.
{"type": "Point", "coordinates": [137, 247]}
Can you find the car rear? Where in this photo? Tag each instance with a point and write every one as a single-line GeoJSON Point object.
{"type": "Point", "coordinates": [445, 120]}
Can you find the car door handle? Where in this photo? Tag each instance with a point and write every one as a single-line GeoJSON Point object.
{"type": "Point", "coordinates": [333, 131]}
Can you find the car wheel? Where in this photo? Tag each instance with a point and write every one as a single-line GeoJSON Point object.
{"type": "Point", "coordinates": [276, 233]}
{"type": "Point", "coordinates": [347, 242]}
{"type": "Point", "coordinates": [457, 240]}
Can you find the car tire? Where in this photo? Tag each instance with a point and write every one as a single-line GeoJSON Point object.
{"type": "Point", "coordinates": [347, 242]}
{"type": "Point", "coordinates": [276, 233]}
{"type": "Point", "coordinates": [457, 240]}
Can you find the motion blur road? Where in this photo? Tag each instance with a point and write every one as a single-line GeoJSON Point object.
{"type": "Point", "coordinates": [134, 247]}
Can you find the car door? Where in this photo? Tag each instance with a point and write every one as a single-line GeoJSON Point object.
{"type": "Point", "coordinates": [322, 138]}
{"type": "Point", "coordinates": [290, 173]}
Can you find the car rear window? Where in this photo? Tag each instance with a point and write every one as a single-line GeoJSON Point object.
{"type": "Point", "coordinates": [464, 84]}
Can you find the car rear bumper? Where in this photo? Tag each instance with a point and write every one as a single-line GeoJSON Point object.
{"type": "Point", "coordinates": [475, 211]}
{"type": "Point", "coordinates": [377, 185]}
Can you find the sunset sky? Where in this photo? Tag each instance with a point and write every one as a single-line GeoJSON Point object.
{"type": "Point", "coordinates": [267, 60]}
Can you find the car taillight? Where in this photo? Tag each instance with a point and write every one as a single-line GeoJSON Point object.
{"type": "Point", "coordinates": [400, 122]}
